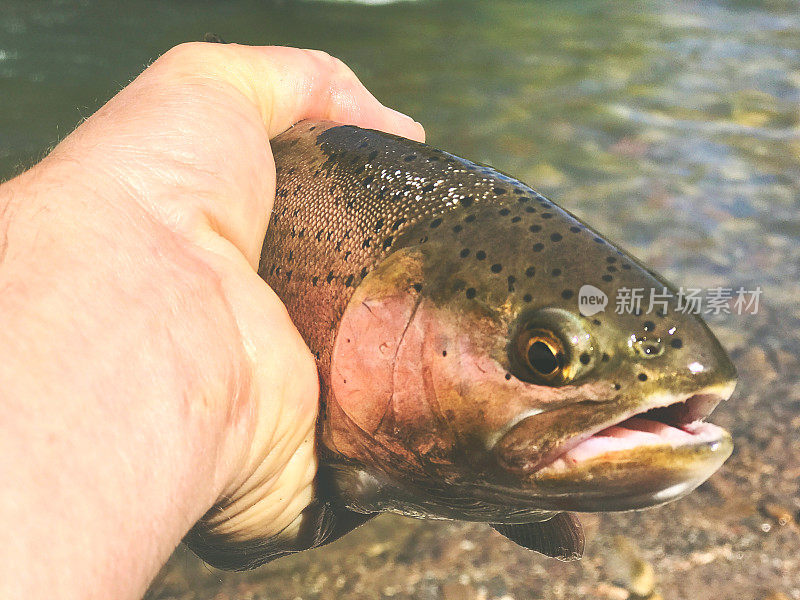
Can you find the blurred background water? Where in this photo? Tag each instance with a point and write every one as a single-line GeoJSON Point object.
{"type": "Point", "coordinates": [673, 127]}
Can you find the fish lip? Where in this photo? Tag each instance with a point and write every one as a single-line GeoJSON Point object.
{"type": "Point", "coordinates": [706, 399]}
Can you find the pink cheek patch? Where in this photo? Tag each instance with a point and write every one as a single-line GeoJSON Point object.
{"type": "Point", "coordinates": [365, 355]}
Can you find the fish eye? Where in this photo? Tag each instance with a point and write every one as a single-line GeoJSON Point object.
{"type": "Point", "coordinates": [551, 346]}
{"type": "Point", "coordinates": [542, 356]}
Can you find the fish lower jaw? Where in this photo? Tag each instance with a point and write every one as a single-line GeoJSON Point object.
{"type": "Point", "coordinates": [619, 441]}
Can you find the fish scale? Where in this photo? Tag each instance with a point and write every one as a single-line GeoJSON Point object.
{"type": "Point", "coordinates": [334, 244]}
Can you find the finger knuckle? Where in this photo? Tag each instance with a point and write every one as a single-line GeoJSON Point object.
{"type": "Point", "coordinates": [330, 65]}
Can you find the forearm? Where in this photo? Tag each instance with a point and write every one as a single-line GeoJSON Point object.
{"type": "Point", "coordinates": [93, 296]}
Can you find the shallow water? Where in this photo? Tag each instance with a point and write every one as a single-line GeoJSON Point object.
{"type": "Point", "coordinates": [672, 127]}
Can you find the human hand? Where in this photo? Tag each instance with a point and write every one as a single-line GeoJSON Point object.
{"type": "Point", "coordinates": [130, 270]}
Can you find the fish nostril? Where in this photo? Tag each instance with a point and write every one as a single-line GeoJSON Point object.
{"type": "Point", "coordinates": [645, 348]}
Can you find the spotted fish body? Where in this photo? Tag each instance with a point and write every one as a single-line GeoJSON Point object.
{"type": "Point", "coordinates": [459, 379]}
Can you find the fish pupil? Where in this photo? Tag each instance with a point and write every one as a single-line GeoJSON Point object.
{"type": "Point", "coordinates": [542, 359]}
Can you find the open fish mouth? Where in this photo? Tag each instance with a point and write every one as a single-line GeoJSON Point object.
{"type": "Point", "coordinates": [642, 459]}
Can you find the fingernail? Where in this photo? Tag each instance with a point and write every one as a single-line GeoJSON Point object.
{"type": "Point", "coordinates": [416, 125]}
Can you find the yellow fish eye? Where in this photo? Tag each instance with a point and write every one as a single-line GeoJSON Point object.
{"type": "Point", "coordinates": [542, 353]}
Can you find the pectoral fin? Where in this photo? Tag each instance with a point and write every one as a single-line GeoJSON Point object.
{"type": "Point", "coordinates": [321, 524]}
{"type": "Point", "coordinates": [560, 537]}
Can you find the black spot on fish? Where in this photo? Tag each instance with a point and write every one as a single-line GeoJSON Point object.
{"type": "Point", "coordinates": [607, 278]}
{"type": "Point", "coordinates": [348, 281]}
{"type": "Point", "coordinates": [511, 281]}
{"type": "Point", "coordinates": [538, 247]}
{"type": "Point", "coordinates": [457, 229]}
{"type": "Point", "coordinates": [387, 243]}
{"type": "Point", "coordinates": [428, 187]}
{"type": "Point", "coordinates": [518, 191]}
{"type": "Point", "coordinates": [471, 293]}
{"type": "Point", "coordinates": [330, 277]}
{"type": "Point", "coordinates": [605, 357]}
{"type": "Point", "coordinates": [347, 255]}
{"type": "Point", "coordinates": [516, 219]}
{"type": "Point", "coordinates": [444, 352]}
{"type": "Point", "coordinates": [676, 343]}
{"type": "Point", "coordinates": [435, 223]}
{"type": "Point", "coordinates": [585, 358]}
{"type": "Point", "coordinates": [409, 157]}
{"type": "Point", "coordinates": [464, 253]}
{"type": "Point", "coordinates": [611, 269]}
{"type": "Point", "coordinates": [523, 199]}
{"type": "Point", "coordinates": [555, 272]}
{"type": "Point", "coordinates": [500, 190]}
{"type": "Point", "coordinates": [396, 225]}
{"type": "Point", "coordinates": [504, 211]}
{"type": "Point", "coordinates": [373, 155]}
{"type": "Point", "coordinates": [566, 294]}
{"type": "Point", "coordinates": [467, 201]}
{"type": "Point", "coordinates": [508, 376]}
{"type": "Point", "coordinates": [611, 259]}
{"type": "Point", "coordinates": [599, 240]}
{"type": "Point", "coordinates": [360, 169]}
{"type": "Point", "coordinates": [626, 266]}
{"type": "Point", "coordinates": [530, 272]}
{"type": "Point", "coordinates": [574, 229]}
{"type": "Point", "coordinates": [649, 325]}
{"type": "Point", "coordinates": [530, 209]}
{"type": "Point", "coordinates": [314, 280]}
{"type": "Point", "coordinates": [480, 255]}
{"type": "Point", "coordinates": [378, 225]}
{"type": "Point", "coordinates": [527, 297]}
{"type": "Point", "coordinates": [617, 386]}
{"type": "Point", "coordinates": [368, 179]}
{"type": "Point", "coordinates": [417, 287]}
{"type": "Point", "coordinates": [535, 228]}
{"type": "Point", "coordinates": [547, 215]}
{"type": "Point", "coordinates": [366, 242]}
{"type": "Point", "coordinates": [496, 268]}
{"type": "Point", "coordinates": [469, 219]}
{"type": "Point", "coordinates": [556, 237]}
{"type": "Point", "coordinates": [642, 376]}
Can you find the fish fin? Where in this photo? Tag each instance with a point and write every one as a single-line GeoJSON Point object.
{"type": "Point", "coordinates": [321, 524]}
{"type": "Point", "coordinates": [213, 38]}
{"type": "Point", "coordinates": [560, 537]}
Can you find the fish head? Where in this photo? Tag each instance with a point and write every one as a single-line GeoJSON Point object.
{"type": "Point", "coordinates": [500, 363]}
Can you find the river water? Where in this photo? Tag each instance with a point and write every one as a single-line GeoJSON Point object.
{"type": "Point", "coordinates": [672, 127]}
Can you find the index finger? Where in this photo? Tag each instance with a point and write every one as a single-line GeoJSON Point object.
{"type": "Point", "coordinates": [288, 85]}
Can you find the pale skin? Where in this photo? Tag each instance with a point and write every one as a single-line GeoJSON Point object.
{"type": "Point", "coordinates": [146, 371]}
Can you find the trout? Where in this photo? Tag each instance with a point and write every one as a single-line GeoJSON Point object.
{"type": "Point", "coordinates": [470, 367]}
